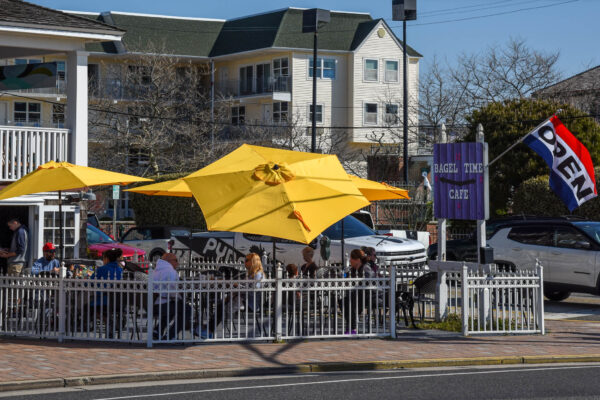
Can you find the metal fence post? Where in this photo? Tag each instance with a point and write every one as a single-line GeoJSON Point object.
{"type": "Point", "coordinates": [465, 300]}
{"type": "Point", "coordinates": [278, 303]}
{"type": "Point", "coordinates": [393, 301]}
{"type": "Point", "coordinates": [441, 297]}
{"type": "Point", "coordinates": [150, 309]}
{"type": "Point", "coordinates": [540, 308]}
{"type": "Point", "coordinates": [62, 303]}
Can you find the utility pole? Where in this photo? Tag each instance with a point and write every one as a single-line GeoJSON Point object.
{"type": "Point", "coordinates": [404, 10]}
{"type": "Point", "coordinates": [311, 20]}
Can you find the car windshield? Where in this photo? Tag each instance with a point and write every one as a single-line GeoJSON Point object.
{"type": "Point", "coordinates": [591, 228]}
{"type": "Point", "coordinates": [95, 236]}
{"type": "Point", "coordinates": [352, 228]}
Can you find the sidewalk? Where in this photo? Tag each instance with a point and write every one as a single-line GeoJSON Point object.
{"type": "Point", "coordinates": [73, 363]}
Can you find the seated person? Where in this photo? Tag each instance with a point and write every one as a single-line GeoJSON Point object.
{"type": "Point", "coordinates": [48, 263]}
{"type": "Point", "coordinates": [111, 270]}
{"type": "Point", "coordinates": [354, 299]}
{"type": "Point", "coordinates": [173, 312]}
{"type": "Point", "coordinates": [371, 258]}
{"type": "Point", "coordinates": [291, 270]}
{"type": "Point", "coordinates": [254, 272]}
{"type": "Point", "coordinates": [309, 268]}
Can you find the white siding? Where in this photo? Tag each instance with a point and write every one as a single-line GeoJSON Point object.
{"type": "Point", "coordinates": [381, 92]}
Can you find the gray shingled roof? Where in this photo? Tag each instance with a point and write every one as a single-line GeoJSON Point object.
{"type": "Point", "coordinates": [22, 14]}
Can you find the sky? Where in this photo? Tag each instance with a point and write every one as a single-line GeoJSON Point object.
{"type": "Point", "coordinates": [569, 26]}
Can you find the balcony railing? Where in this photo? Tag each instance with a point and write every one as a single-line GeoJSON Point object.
{"type": "Point", "coordinates": [59, 89]}
{"type": "Point", "coordinates": [254, 87]}
{"type": "Point", "coordinates": [24, 149]}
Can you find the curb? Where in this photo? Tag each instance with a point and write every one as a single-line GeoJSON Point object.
{"type": "Point", "coordinates": [301, 368]}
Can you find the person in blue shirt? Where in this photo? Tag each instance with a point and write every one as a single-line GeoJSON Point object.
{"type": "Point", "coordinates": [111, 270]}
{"type": "Point", "coordinates": [47, 263]}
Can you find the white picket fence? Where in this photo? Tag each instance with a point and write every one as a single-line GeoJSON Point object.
{"type": "Point", "coordinates": [213, 301]}
{"type": "Point", "coordinates": [496, 301]}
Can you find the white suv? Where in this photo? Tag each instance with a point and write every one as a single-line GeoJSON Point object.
{"type": "Point", "coordinates": [569, 251]}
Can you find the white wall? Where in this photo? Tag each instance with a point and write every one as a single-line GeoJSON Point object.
{"type": "Point", "coordinates": [381, 48]}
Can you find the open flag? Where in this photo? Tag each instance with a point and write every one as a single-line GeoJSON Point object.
{"type": "Point", "coordinates": [571, 167]}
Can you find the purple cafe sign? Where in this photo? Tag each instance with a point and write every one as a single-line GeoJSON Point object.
{"type": "Point", "coordinates": [460, 181]}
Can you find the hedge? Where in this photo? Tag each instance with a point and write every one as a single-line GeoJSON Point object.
{"type": "Point", "coordinates": [534, 197]}
{"type": "Point", "coordinates": [165, 210]}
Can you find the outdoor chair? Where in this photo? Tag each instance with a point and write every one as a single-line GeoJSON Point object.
{"type": "Point", "coordinates": [424, 291]}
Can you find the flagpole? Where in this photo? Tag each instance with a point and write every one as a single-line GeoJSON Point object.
{"type": "Point", "coordinates": [523, 138]}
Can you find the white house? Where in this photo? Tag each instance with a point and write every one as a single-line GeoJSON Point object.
{"type": "Point", "coordinates": [29, 34]}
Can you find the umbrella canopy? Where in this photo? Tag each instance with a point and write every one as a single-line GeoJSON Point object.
{"type": "Point", "coordinates": [281, 193]}
{"type": "Point", "coordinates": [378, 191]}
{"type": "Point", "coordinates": [57, 176]}
{"type": "Point", "coordinates": [174, 188]}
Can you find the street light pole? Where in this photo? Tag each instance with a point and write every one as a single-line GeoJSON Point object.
{"type": "Point", "coordinates": [405, 103]}
{"type": "Point", "coordinates": [313, 146]}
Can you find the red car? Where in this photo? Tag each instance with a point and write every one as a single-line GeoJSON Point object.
{"type": "Point", "coordinates": [99, 242]}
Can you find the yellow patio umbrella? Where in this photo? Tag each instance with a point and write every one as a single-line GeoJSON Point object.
{"type": "Point", "coordinates": [280, 193]}
{"type": "Point", "coordinates": [378, 191]}
{"type": "Point", "coordinates": [58, 176]}
{"type": "Point", "coordinates": [173, 188]}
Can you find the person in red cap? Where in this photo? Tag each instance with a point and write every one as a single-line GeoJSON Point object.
{"type": "Point", "coordinates": [47, 263]}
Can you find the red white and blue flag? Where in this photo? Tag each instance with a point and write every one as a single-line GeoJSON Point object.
{"type": "Point", "coordinates": [571, 168]}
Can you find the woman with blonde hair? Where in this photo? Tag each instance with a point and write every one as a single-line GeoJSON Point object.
{"type": "Point", "coordinates": [254, 272]}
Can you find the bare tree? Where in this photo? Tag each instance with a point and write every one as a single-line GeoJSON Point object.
{"type": "Point", "coordinates": [449, 93]}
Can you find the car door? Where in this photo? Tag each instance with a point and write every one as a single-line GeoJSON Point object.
{"type": "Point", "coordinates": [136, 236]}
{"type": "Point", "coordinates": [523, 244]}
{"type": "Point", "coordinates": [572, 259]}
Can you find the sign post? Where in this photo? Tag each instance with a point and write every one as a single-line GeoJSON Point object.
{"type": "Point", "coordinates": [115, 196]}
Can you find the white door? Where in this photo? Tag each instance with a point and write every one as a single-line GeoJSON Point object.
{"type": "Point", "coordinates": [572, 260]}
{"type": "Point", "coordinates": [267, 115]}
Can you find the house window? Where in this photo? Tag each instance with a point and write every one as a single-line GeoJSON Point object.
{"type": "Point", "coordinates": [28, 113]}
{"type": "Point", "coordinates": [281, 67]}
{"type": "Point", "coordinates": [23, 61]}
{"type": "Point", "coordinates": [139, 74]}
{"type": "Point", "coordinates": [58, 115]}
{"type": "Point", "coordinates": [246, 78]}
{"type": "Point", "coordinates": [391, 114]}
{"type": "Point", "coordinates": [70, 232]}
{"type": "Point", "coordinates": [391, 71]}
{"type": "Point", "coordinates": [370, 115]}
{"type": "Point", "coordinates": [238, 115]}
{"type": "Point", "coordinates": [93, 77]}
{"type": "Point", "coordinates": [371, 70]}
{"type": "Point", "coordinates": [263, 78]}
{"type": "Point", "coordinates": [325, 68]}
{"type": "Point", "coordinates": [280, 112]}
{"type": "Point", "coordinates": [319, 113]}
{"type": "Point", "coordinates": [138, 157]}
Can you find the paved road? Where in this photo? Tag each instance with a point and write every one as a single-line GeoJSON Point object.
{"type": "Point", "coordinates": [526, 382]}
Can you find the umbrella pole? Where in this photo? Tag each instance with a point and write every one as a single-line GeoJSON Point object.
{"type": "Point", "coordinates": [60, 227]}
{"type": "Point", "coordinates": [343, 251]}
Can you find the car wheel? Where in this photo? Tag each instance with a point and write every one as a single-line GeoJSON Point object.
{"type": "Point", "coordinates": [556, 295]}
{"type": "Point", "coordinates": [154, 257]}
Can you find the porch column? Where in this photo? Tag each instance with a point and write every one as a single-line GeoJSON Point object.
{"type": "Point", "coordinates": [77, 106]}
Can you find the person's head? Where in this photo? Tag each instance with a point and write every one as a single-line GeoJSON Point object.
{"type": "Point", "coordinates": [253, 264]}
{"type": "Point", "coordinates": [49, 251]}
{"type": "Point", "coordinates": [370, 253]}
{"type": "Point", "coordinates": [357, 258]}
{"type": "Point", "coordinates": [308, 253]}
{"type": "Point", "coordinates": [292, 270]}
{"type": "Point", "coordinates": [171, 258]}
{"type": "Point", "coordinates": [13, 223]}
{"type": "Point", "coordinates": [112, 255]}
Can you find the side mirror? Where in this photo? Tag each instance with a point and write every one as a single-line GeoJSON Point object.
{"type": "Point", "coordinates": [583, 244]}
